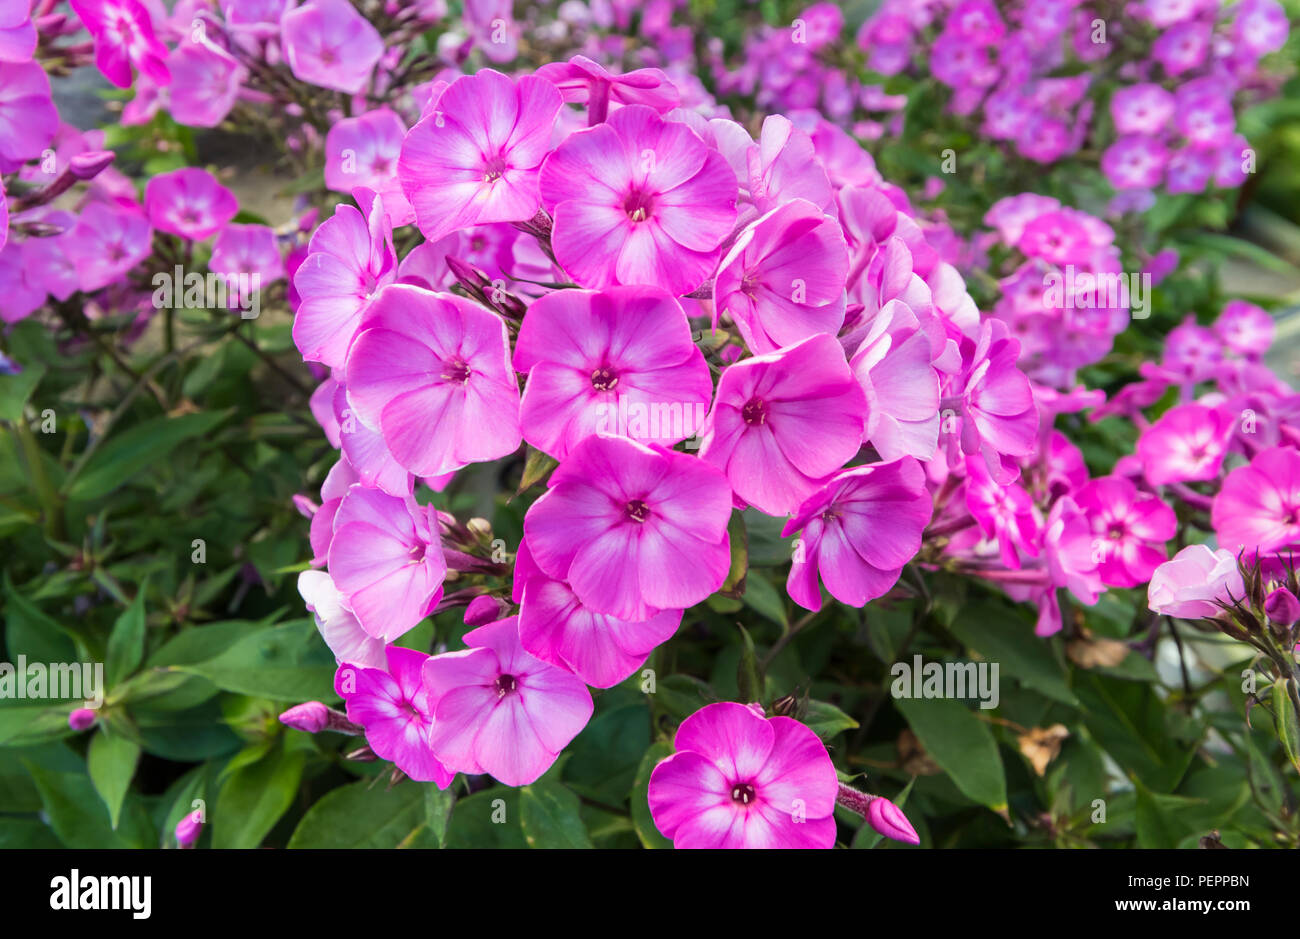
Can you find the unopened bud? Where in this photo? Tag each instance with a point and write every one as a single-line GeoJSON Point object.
{"type": "Point", "coordinates": [86, 166]}
{"type": "Point", "coordinates": [82, 719]}
{"type": "Point", "coordinates": [484, 610]}
{"type": "Point", "coordinates": [312, 717]}
{"type": "Point", "coordinates": [889, 820]}
{"type": "Point", "coordinates": [188, 829]}
{"type": "Point", "coordinates": [1282, 607]}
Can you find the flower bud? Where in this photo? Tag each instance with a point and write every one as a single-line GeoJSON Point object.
{"type": "Point", "coordinates": [484, 610]}
{"type": "Point", "coordinates": [889, 820]}
{"type": "Point", "coordinates": [82, 719]}
{"type": "Point", "coordinates": [312, 717]}
{"type": "Point", "coordinates": [1282, 607]}
{"type": "Point", "coordinates": [88, 165]}
{"type": "Point", "coordinates": [188, 829]}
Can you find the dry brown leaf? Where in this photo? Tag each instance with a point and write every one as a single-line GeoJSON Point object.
{"type": "Point", "coordinates": [1041, 745]}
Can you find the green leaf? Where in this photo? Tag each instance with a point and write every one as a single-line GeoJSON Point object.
{"type": "Point", "coordinates": [825, 719]}
{"type": "Point", "coordinates": [16, 389]}
{"type": "Point", "coordinates": [1286, 719]}
{"type": "Point", "coordinates": [1162, 820]}
{"type": "Point", "coordinates": [284, 663]}
{"type": "Point", "coordinates": [762, 597]}
{"type": "Point", "coordinates": [73, 808]}
{"type": "Point", "coordinates": [253, 799]}
{"type": "Point", "coordinates": [487, 819]}
{"type": "Point", "coordinates": [1131, 723]}
{"type": "Point", "coordinates": [111, 761]}
{"type": "Point", "coordinates": [18, 606]}
{"type": "Point", "coordinates": [25, 833]}
{"type": "Point", "coordinates": [364, 814]}
{"type": "Point", "coordinates": [537, 466]}
{"type": "Point", "coordinates": [739, 570]}
{"type": "Point", "coordinates": [749, 679]}
{"type": "Point", "coordinates": [550, 815]}
{"type": "Point", "coordinates": [126, 642]}
{"type": "Point", "coordinates": [641, 818]}
{"type": "Point", "coordinates": [962, 745]}
{"type": "Point", "coordinates": [127, 454]}
{"type": "Point", "coordinates": [438, 804]}
{"type": "Point", "coordinates": [1030, 663]}
{"type": "Point", "coordinates": [603, 759]}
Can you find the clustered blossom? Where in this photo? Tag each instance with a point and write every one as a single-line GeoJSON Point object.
{"type": "Point", "coordinates": [614, 266]}
{"type": "Point", "coordinates": [599, 276]}
{"type": "Point", "coordinates": [1185, 68]}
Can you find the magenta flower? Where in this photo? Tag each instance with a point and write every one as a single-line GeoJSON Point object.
{"type": "Point", "coordinates": [350, 259]}
{"type": "Point", "coordinates": [633, 530]}
{"type": "Point", "coordinates": [363, 151]}
{"type": "Point", "coordinates": [999, 418]}
{"type": "Point", "coordinates": [1005, 513]}
{"type": "Point", "coordinates": [337, 624]}
{"type": "Point", "coordinates": [783, 422]}
{"type": "Point", "coordinates": [338, 481]}
{"type": "Point", "coordinates": [638, 200]}
{"type": "Point", "coordinates": [1129, 529]}
{"type": "Point", "coordinates": [739, 780]}
{"type": "Point", "coordinates": [499, 710]}
{"type": "Point", "coordinates": [602, 650]}
{"type": "Point", "coordinates": [1187, 443]}
{"type": "Point", "coordinates": [475, 159]}
{"type": "Point", "coordinates": [1192, 350]}
{"type": "Point", "coordinates": [1193, 581]}
{"type": "Point", "coordinates": [20, 293]}
{"type": "Point", "coordinates": [1135, 161]}
{"type": "Point", "coordinates": [1260, 26]}
{"type": "Point", "coordinates": [1258, 507]}
{"type": "Point", "coordinates": [1245, 329]}
{"type": "Point", "coordinates": [620, 361]}
{"type": "Point", "coordinates": [328, 43]}
{"type": "Point", "coordinates": [248, 249]}
{"type": "Point", "coordinates": [28, 119]}
{"type": "Point", "coordinates": [206, 83]}
{"type": "Point", "coordinates": [432, 373]}
{"type": "Point", "coordinates": [857, 532]}
{"type": "Point", "coordinates": [493, 28]}
{"type": "Point", "coordinates": [367, 453]}
{"type": "Point", "coordinates": [124, 37]}
{"type": "Point", "coordinates": [107, 243]}
{"type": "Point", "coordinates": [1183, 46]}
{"type": "Point", "coordinates": [1069, 548]}
{"type": "Point", "coordinates": [396, 709]}
{"type": "Point", "coordinates": [189, 203]}
{"type": "Point", "coordinates": [1141, 109]}
{"type": "Point", "coordinates": [17, 33]}
{"type": "Point", "coordinates": [782, 166]}
{"type": "Point", "coordinates": [583, 81]}
{"type": "Point", "coordinates": [894, 366]}
{"type": "Point", "coordinates": [783, 279]}
{"type": "Point", "coordinates": [386, 558]}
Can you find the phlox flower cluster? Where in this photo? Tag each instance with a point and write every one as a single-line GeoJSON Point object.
{"type": "Point", "coordinates": [687, 321]}
{"type": "Point", "coordinates": [1154, 85]}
